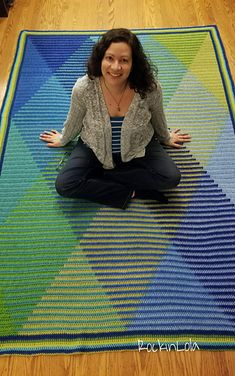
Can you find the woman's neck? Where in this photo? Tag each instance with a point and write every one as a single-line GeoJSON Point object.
{"type": "Point", "coordinates": [117, 102]}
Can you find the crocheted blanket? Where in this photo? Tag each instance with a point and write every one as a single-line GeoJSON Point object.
{"type": "Point", "coordinates": [79, 277]}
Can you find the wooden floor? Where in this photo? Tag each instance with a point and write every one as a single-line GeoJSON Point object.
{"type": "Point", "coordinates": [105, 14]}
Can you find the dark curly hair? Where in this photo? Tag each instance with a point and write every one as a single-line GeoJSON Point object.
{"type": "Point", "coordinates": [141, 78]}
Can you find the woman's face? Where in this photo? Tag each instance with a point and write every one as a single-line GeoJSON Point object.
{"type": "Point", "coordinates": [117, 63]}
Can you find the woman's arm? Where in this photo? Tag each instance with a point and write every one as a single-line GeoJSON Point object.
{"type": "Point", "coordinates": [73, 123]}
{"type": "Point", "coordinates": [173, 138]}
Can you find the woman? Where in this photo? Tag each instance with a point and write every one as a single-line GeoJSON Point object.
{"type": "Point", "coordinates": [116, 109]}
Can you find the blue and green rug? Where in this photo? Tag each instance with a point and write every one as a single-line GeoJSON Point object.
{"type": "Point", "coordinates": [80, 277]}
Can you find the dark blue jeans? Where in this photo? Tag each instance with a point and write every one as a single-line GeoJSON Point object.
{"type": "Point", "coordinates": [84, 177]}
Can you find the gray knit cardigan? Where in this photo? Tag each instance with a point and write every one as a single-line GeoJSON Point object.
{"type": "Point", "coordinates": [88, 118]}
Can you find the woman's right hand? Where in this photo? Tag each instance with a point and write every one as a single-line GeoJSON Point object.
{"type": "Point", "coordinates": [52, 138]}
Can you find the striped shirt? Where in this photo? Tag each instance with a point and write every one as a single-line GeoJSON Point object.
{"type": "Point", "coordinates": [116, 124]}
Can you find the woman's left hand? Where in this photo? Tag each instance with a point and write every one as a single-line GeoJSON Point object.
{"type": "Point", "coordinates": [177, 139]}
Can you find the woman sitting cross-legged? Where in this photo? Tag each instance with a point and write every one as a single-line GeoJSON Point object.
{"type": "Point", "coordinates": [116, 110]}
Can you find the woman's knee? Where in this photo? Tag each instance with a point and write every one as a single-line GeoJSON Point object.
{"type": "Point", "coordinates": [70, 180]}
{"type": "Point", "coordinates": [61, 185]}
{"type": "Point", "coordinates": [173, 178]}
{"type": "Point", "coordinates": [70, 189]}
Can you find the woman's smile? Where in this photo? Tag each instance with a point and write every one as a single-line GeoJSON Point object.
{"type": "Point", "coordinates": [117, 63]}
